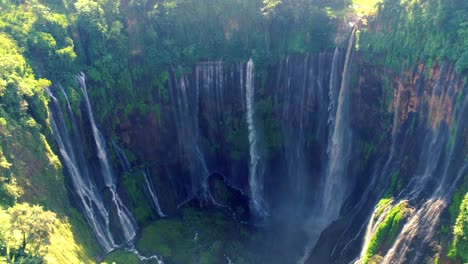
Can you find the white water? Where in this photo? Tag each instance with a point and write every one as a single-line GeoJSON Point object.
{"type": "Point", "coordinates": [144, 258]}
{"type": "Point", "coordinates": [229, 261]}
{"type": "Point", "coordinates": [372, 226]}
{"type": "Point", "coordinates": [186, 111]}
{"type": "Point", "coordinates": [66, 97]}
{"type": "Point", "coordinates": [420, 227]}
{"type": "Point", "coordinates": [154, 198]}
{"type": "Point", "coordinates": [126, 166]}
{"type": "Point", "coordinates": [427, 216]}
{"type": "Point", "coordinates": [85, 189]}
{"type": "Point", "coordinates": [339, 146]}
{"type": "Point", "coordinates": [255, 179]}
{"type": "Point", "coordinates": [127, 224]}
{"type": "Point", "coordinates": [124, 163]}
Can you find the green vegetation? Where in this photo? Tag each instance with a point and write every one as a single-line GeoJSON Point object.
{"type": "Point", "coordinates": [458, 210]}
{"type": "Point", "coordinates": [30, 234]}
{"type": "Point", "coordinates": [125, 48]}
{"type": "Point", "coordinates": [139, 205]}
{"type": "Point", "coordinates": [37, 221]}
{"type": "Point", "coordinates": [122, 257]}
{"type": "Point", "coordinates": [206, 236]}
{"type": "Point", "coordinates": [237, 137]}
{"type": "Point", "coordinates": [268, 123]}
{"type": "Point", "coordinates": [455, 205]}
{"type": "Point", "coordinates": [406, 32]}
{"type": "Point", "coordinates": [383, 204]}
{"type": "Point", "coordinates": [369, 150]}
{"type": "Point", "coordinates": [30, 174]}
{"type": "Point", "coordinates": [459, 248]}
{"type": "Point", "coordinates": [365, 7]}
{"type": "Point", "coordinates": [388, 229]}
{"type": "Point", "coordinates": [396, 184]}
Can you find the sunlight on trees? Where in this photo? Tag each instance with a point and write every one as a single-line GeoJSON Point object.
{"type": "Point", "coordinates": [25, 231]}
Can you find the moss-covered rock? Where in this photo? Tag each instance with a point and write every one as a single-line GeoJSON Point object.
{"type": "Point", "coordinates": [388, 230]}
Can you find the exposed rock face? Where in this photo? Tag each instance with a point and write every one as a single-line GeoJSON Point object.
{"type": "Point", "coordinates": [427, 88]}
{"type": "Point", "coordinates": [416, 159]}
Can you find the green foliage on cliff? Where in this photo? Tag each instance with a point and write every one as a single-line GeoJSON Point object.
{"type": "Point", "coordinates": [270, 126]}
{"type": "Point", "coordinates": [388, 229]}
{"type": "Point", "coordinates": [37, 221]}
{"type": "Point", "coordinates": [406, 32]}
{"type": "Point", "coordinates": [127, 47]}
{"type": "Point", "coordinates": [455, 205]}
{"type": "Point", "coordinates": [396, 184]}
{"type": "Point", "coordinates": [31, 234]}
{"type": "Point", "coordinates": [139, 205]}
{"type": "Point", "coordinates": [459, 248]}
{"type": "Point", "coordinates": [42, 33]}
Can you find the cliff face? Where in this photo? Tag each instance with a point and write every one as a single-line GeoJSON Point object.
{"type": "Point", "coordinates": [337, 155]}
{"type": "Point", "coordinates": [403, 130]}
{"type": "Point", "coordinates": [403, 140]}
{"type": "Point", "coordinates": [417, 156]}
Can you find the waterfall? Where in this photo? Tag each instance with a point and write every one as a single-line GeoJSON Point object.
{"type": "Point", "coordinates": [84, 188]}
{"type": "Point", "coordinates": [340, 145]}
{"type": "Point", "coordinates": [255, 174]}
{"type": "Point", "coordinates": [126, 221]}
{"type": "Point", "coordinates": [124, 163]}
{"type": "Point", "coordinates": [427, 216]}
{"type": "Point", "coordinates": [202, 102]}
{"type": "Point", "coordinates": [437, 170]}
{"type": "Point", "coordinates": [152, 193]}
{"type": "Point", "coordinates": [378, 216]}
{"type": "Point", "coordinates": [338, 148]}
{"type": "Point", "coordinates": [142, 258]}
{"type": "Point", "coordinates": [126, 166]}
{"type": "Point", "coordinates": [185, 115]}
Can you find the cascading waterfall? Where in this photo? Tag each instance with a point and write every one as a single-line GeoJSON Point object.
{"type": "Point", "coordinates": [199, 102]}
{"type": "Point", "coordinates": [310, 108]}
{"type": "Point", "coordinates": [436, 164]}
{"type": "Point", "coordinates": [126, 222]}
{"type": "Point", "coordinates": [427, 216]}
{"type": "Point", "coordinates": [300, 104]}
{"type": "Point", "coordinates": [152, 192]}
{"type": "Point", "coordinates": [186, 122]}
{"type": "Point", "coordinates": [378, 216]}
{"type": "Point", "coordinates": [84, 188]}
{"type": "Point", "coordinates": [124, 163]}
{"type": "Point", "coordinates": [338, 148]}
{"type": "Point", "coordinates": [255, 173]}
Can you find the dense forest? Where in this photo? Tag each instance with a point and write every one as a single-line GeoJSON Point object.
{"type": "Point", "coordinates": [405, 63]}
